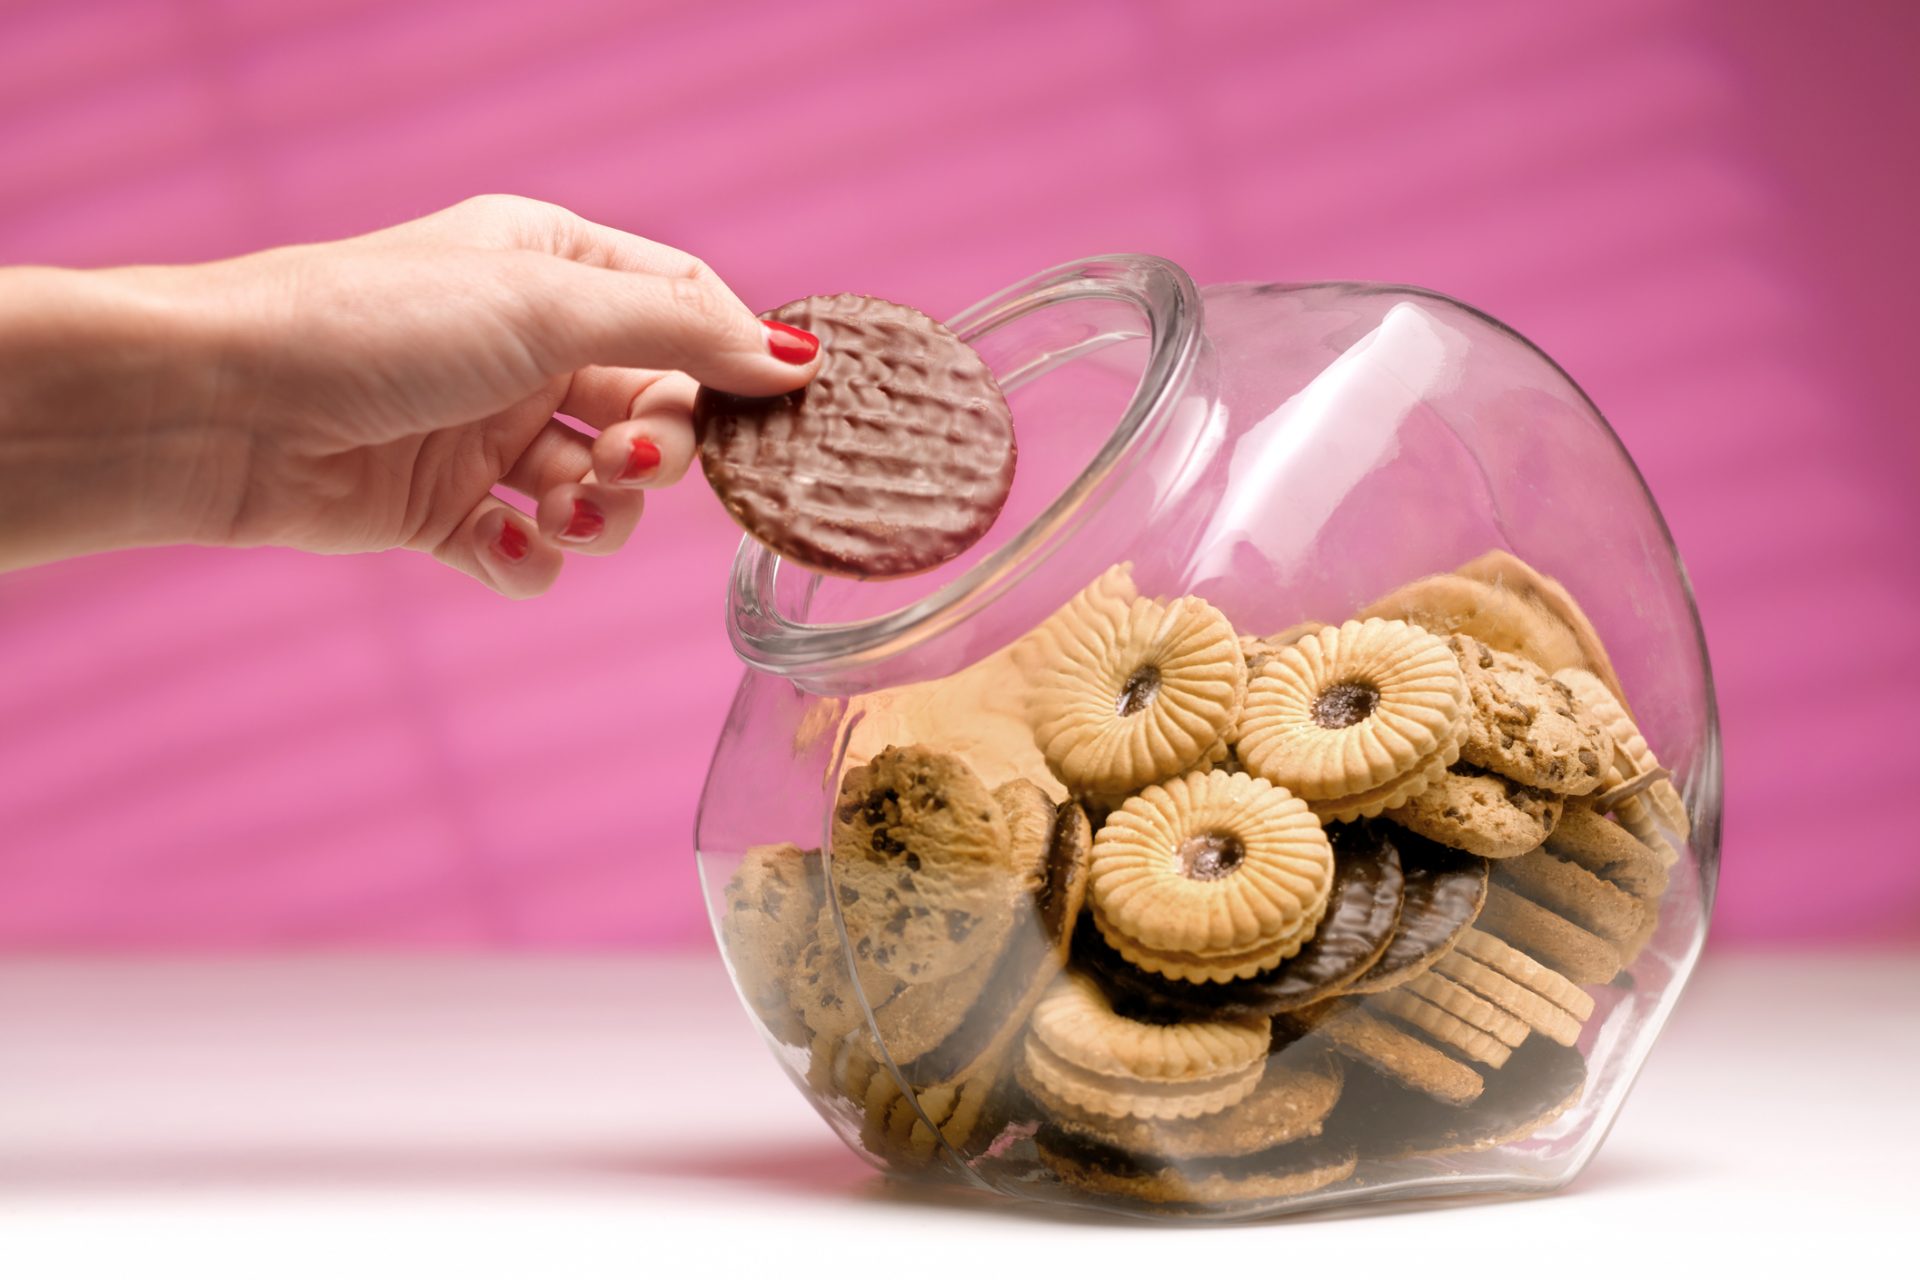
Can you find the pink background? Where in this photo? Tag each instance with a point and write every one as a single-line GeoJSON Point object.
{"type": "Point", "coordinates": [1703, 210]}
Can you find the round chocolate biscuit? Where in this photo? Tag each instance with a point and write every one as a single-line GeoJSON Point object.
{"type": "Point", "coordinates": [1363, 908]}
{"type": "Point", "coordinates": [1445, 890]}
{"type": "Point", "coordinates": [896, 458]}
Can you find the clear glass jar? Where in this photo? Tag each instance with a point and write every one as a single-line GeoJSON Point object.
{"type": "Point", "coordinates": [1120, 1022]}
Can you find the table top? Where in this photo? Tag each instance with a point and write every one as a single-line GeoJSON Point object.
{"type": "Point", "coordinates": [588, 1116]}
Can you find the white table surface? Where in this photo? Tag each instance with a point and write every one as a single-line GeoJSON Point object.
{"type": "Point", "coordinates": [587, 1117]}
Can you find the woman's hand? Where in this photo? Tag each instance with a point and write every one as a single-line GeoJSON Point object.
{"type": "Point", "coordinates": [372, 393]}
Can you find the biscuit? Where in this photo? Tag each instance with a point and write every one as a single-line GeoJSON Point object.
{"type": "Point", "coordinates": [1291, 1103]}
{"type": "Point", "coordinates": [1610, 852]}
{"type": "Point", "coordinates": [1481, 812]}
{"type": "Point", "coordinates": [1439, 1025]}
{"type": "Point", "coordinates": [1632, 756]}
{"type": "Point", "coordinates": [1508, 571]}
{"type": "Point", "coordinates": [1572, 891]}
{"type": "Point", "coordinates": [1540, 1082]}
{"type": "Point", "coordinates": [1476, 1012]}
{"type": "Point", "coordinates": [1292, 1169]}
{"type": "Point", "coordinates": [1357, 718]}
{"type": "Point", "coordinates": [1082, 1053]}
{"type": "Point", "coordinates": [1440, 898]}
{"type": "Point", "coordinates": [1451, 603]}
{"type": "Point", "coordinates": [1400, 1055]}
{"type": "Point", "coordinates": [1363, 908]}
{"type": "Point", "coordinates": [895, 458]}
{"type": "Point", "coordinates": [822, 988]}
{"type": "Point", "coordinates": [1210, 877]}
{"type": "Point", "coordinates": [1528, 726]}
{"type": "Point", "coordinates": [919, 866]}
{"type": "Point", "coordinates": [1535, 1010]}
{"type": "Point", "coordinates": [941, 1031]}
{"type": "Point", "coordinates": [896, 1125]}
{"type": "Point", "coordinates": [1123, 693]}
{"type": "Point", "coordinates": [1523, 969]}
{"type": "Point", "coordinates": [772, 903]}
{"type": "Point", "coordinates": [1548, 937]}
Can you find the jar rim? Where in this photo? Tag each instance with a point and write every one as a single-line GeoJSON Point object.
{"type": "Point", "coordinates": [1167, 299]}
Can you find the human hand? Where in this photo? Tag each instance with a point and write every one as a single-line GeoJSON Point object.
{"type": "Point", "coordinates": [373, 392]}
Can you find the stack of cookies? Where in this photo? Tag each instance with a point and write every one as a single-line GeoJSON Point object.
{"type": "Point", "coordinates": [1312, 898]}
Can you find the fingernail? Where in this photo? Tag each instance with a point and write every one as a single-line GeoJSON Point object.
{"type": "Point", "coordinates": [585, 524]}
{"type": "Point", "coordinates": [511, 545]}
{"type": "Point", "coordinates": [795, 346]}
{"type": "Point", "coordinates": [642, 459]}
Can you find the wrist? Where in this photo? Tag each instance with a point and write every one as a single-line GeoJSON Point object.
{"type": "Point", "coordinates": [110, 430]}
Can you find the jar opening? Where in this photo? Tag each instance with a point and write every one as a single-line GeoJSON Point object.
{"type": "Point", "coordinates": [1093, 356]}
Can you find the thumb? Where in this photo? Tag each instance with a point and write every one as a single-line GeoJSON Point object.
{"type": "Point", "coordinates": [576, 315]}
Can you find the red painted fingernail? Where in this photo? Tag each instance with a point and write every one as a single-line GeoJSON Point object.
{"type": "Point", "coordinates": [585, 524]}
{"type": "Point", "coordinates": [642, 458]}
{"type": "Point", "coordinates": [511, 545]}
{"type": "Point", "coordinates": [795, 346]}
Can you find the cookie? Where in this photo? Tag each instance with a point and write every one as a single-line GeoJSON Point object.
{"type": "Point", "coordinates": [896, 458]}
{"type": "Point", "coordinates": [1292, 1169]}
{"type": "Point", "coordinates": [1523, 969]}
{"type": "Point", "coordinates": [1363, 907]}
{"type": "Point", "coordinates": [1356, 719]}
{"type": "Point", "coordinates": [1505, 570]}
{"type": "Point", "coordinates": [1081, 1053]}
{"type": "Point", "coordinates": [1548, 937]}
{"type": "Point", "coordinates": [1497, 616]}
{"type": "Point", "coordinates": [919, 866]}
{"type": "Point", "coordinates": [822, 987]}
{"type": "Point", "coordinates": [1539, 1083]}
{"type": "Point", "coordinates": [1528, 726]}
{"type": "Point", "coordinates": [978, 715]}
{"type": "Point", "coordinates": [1440, 1026]}
{"type": "Point", "coordinates": [1480, 812]}
{"type": "Point", "coordinates": [1210, 877]}
{"type": "Point", "coordinates": [1535, 1010]}
{"type": "Point", "coordinates": [1476, 1012]}
{"type": "Point", "coordinates": [1400, 1055]}
{"type": "Point", "coordinates": [772, 906]}
{"type": "Point", "coordinates": [1123, 693]}
{"type": "Point", "coordinates": [1440, 897]}
{"type": "Point", "coordinates": [912, 1131]}
{"type": "Point", "coordinates": [942, 1031]}
{"type": "Point", "coordinates": [1572, 891]}
{"type": "Point", "coordinates": [1632, 756]}
{"type": "Point", "coordinates": [1610, 852]}
{"type": "Point", "coordinates": [1291, 1103]}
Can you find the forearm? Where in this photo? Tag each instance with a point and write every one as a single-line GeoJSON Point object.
{"type": "Point", "coordinates": [110, 421]}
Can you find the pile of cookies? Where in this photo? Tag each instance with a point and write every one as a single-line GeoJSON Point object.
{"type": "Point", "coordinates": [1240, 912]}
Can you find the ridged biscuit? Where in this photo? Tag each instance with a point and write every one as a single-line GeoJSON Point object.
{"type": "Point", "coordinates": [1532, 1008]}
{"type": "Point", "coordinates": [1522, 968]}
{"type": "Point", "coordinates": [1443, 1026]}
{"type": "Point", "coordinates": [1210, 877]}
{"type": "Point", "coordinates": [1633, 757]}
{"type": "Point", "coordinates": [1548, 937]}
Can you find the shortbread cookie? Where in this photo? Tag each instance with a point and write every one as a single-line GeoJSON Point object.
{"type": "Point", "coordinates": [1481, 812]}
{"type": "Point", "coordinates": [1400, 1055]}
{"type": "Point", "coordinates": [1475, 1011]}
{"type": "Point", "coordinates": [1548, 937]}
{"type": "Point", "coordinates": [1438, 1024]}
{"type": "Point", "coordinates": [1441, 896]}
{"type": "Point", "coordinates": [1572, 891]}
{"type": "Point", "coordinates": [773, 904]}
{"type": "Point", "coordinates": [1357, 718]}
{"type": "Point", "coordinates": [1535, 1010]}
{"type": "Point", "coordinates": [1082, 1053]}
{"type": "Point", "coordinates": [1363, 908]}
{"type": "Point", "coordinates": [1512, 963]}
{"type": "Point", "coordinates": [1528, 726]}
{"type": "Point", "coordinates": [1210, 877]}
{"type": "Point", "coordinates": [1123, 693]}
{"type": "Point", "coordinates": [1632, 756]}
{"type": "Point", "coordinates": [920, 866]}
{"type": "Point", "coordinates": [941, 1031]}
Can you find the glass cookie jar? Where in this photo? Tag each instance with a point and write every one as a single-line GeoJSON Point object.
{"type": "Point", "coordinates": [1309, 792]}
